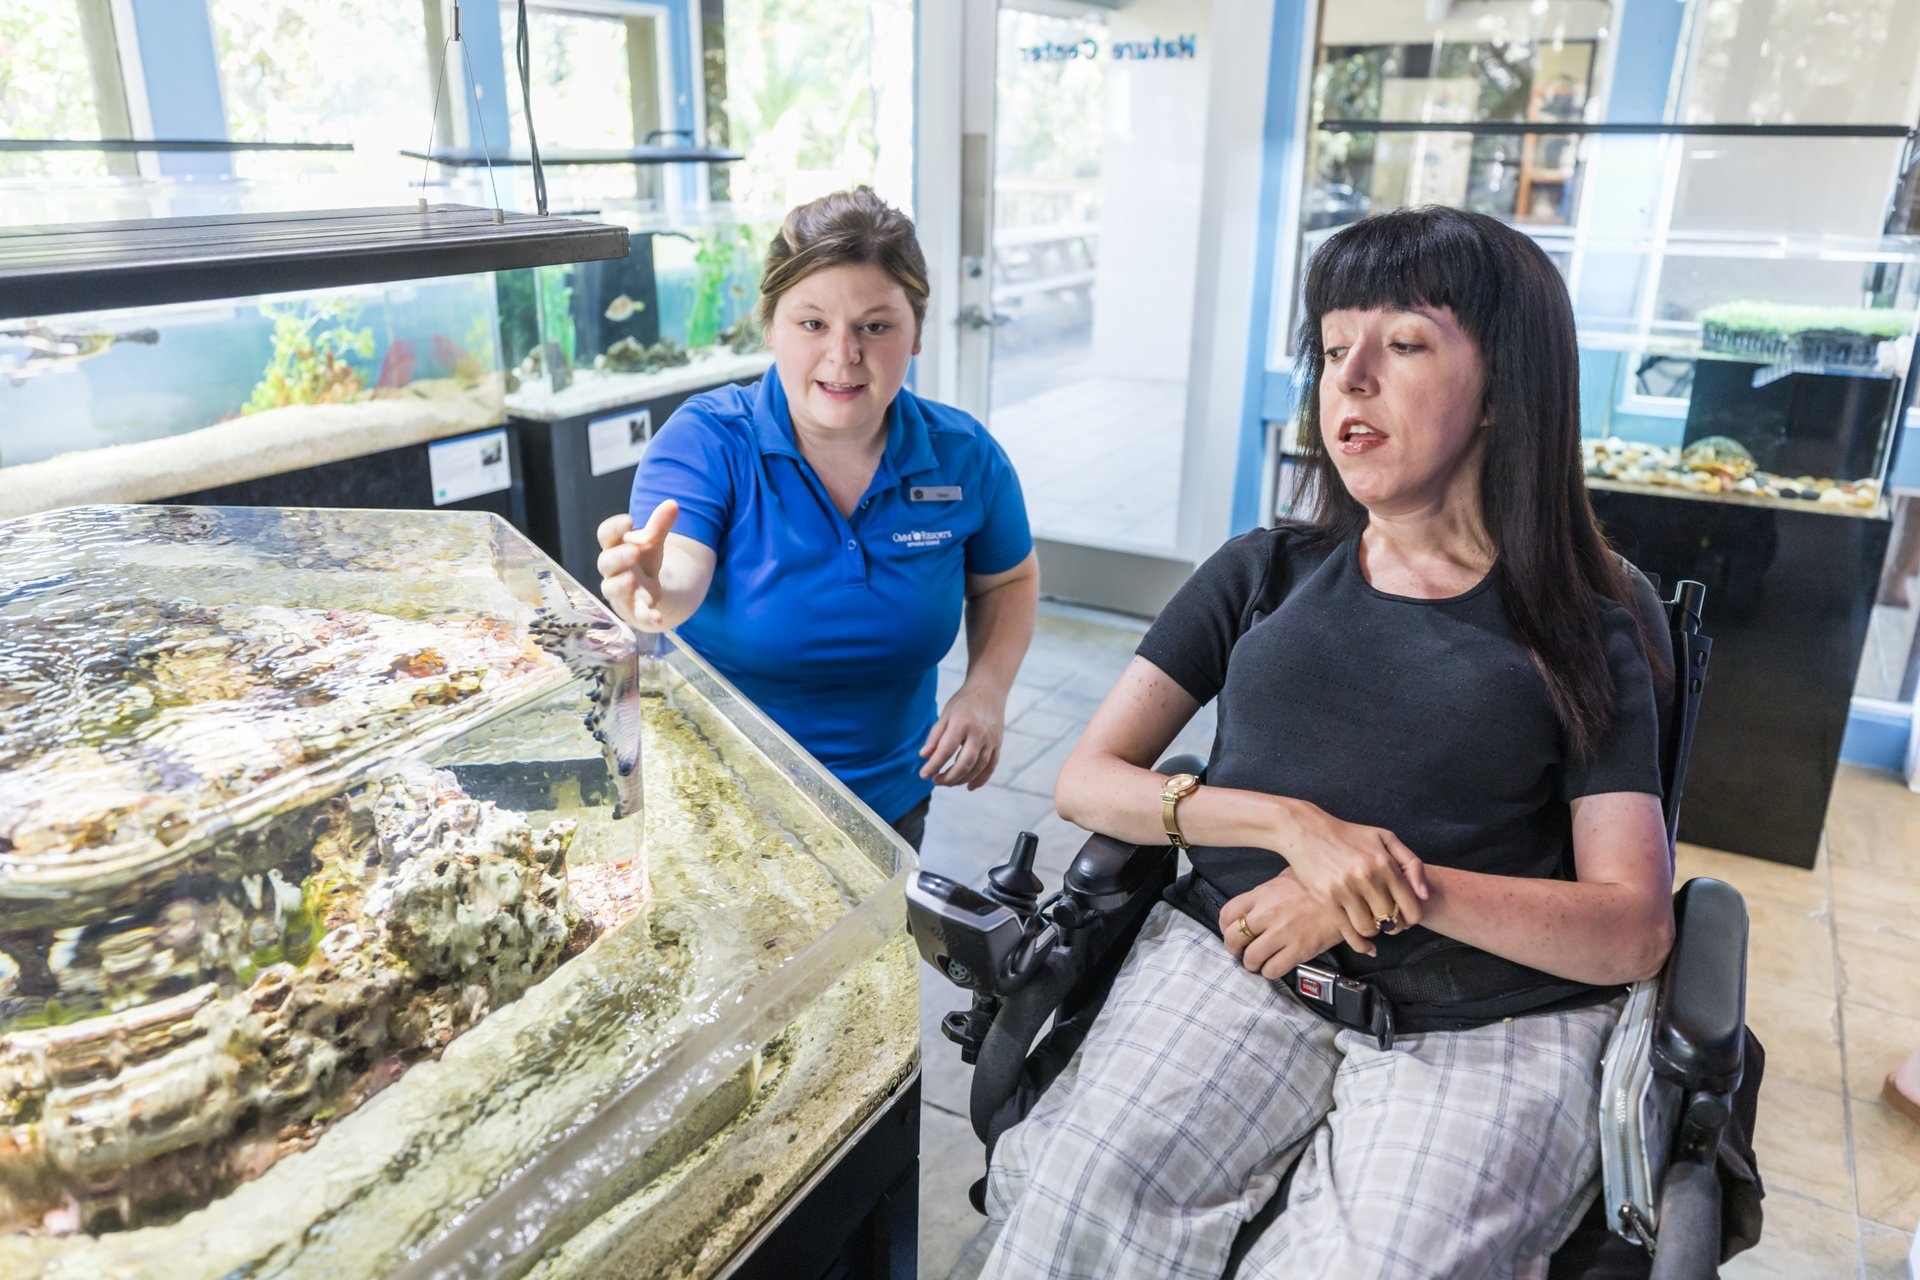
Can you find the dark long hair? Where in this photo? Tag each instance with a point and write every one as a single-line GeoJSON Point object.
{"type": "Point", "coordinates": [1508, 298]}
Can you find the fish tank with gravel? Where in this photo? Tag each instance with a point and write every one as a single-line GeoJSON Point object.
{"type": "Point", "coordinates": [147, 404]}
{"type": "Point", "coordinates": [1757, 370]}
{"type": "Point", "coordinates": [676, 314]}
{"type": "Point", "coordinates": [373, 902]}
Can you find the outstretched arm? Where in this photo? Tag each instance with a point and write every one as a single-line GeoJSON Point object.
{"type": "Point", "coordinates": [654, 578]}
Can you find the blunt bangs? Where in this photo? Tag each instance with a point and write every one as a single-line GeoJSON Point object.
{"type": "Point", "coordinates": [1429, 256]}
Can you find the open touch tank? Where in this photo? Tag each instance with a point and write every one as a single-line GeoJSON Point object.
{"type": "Point", "coordinates": [370, 904]}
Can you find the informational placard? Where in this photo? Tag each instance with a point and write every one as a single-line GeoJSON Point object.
{"type": "Point", "coordinates": [617, 440]}
{"type": "Point", "coordinates": [469, 466]}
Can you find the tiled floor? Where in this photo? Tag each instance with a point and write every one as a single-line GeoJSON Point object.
{"type": "Point", "coordinates": [1099, 459]}
{"type": "Point", "coordinates": [1833, 980]}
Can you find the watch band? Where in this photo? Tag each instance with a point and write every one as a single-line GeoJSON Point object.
{"type": "Point", "coordinates": [1176, 790]}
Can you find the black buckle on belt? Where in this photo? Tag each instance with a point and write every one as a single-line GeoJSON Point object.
{"type": "Point", "coordinates": [1348, 1001]}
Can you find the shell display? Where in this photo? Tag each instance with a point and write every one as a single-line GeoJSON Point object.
{"type": "Point", "coordinates": [1720, 467]}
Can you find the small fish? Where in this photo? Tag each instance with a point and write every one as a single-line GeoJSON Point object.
{"type": "Point", "coordinates": [624, 308]}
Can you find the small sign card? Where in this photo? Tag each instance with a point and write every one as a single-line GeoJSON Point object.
{"type": "Point", "coordinates": [469, 466]}
{"type": "Point", "coordinates": [617, 441]}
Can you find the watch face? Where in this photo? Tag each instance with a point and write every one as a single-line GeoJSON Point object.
{"type": "Point", "coordinates": [1181, 783]}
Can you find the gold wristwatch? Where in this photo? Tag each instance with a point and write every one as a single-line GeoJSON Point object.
{"type": "Point", "coordinates": [1178, 788]}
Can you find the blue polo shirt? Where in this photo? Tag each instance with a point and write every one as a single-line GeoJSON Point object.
{"type": "Point", "coordinates": [833, 625]}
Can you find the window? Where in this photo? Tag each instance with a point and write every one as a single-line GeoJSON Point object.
{"type": "Point", "coordinates": [356, 71]}
{"type": "Point", "coordinates": [57, 62]}
{"type": "Point", "coordinates": [583, 77]}
{"type": "Point", "coordinates": [819, 97]}
{"type": "Point", "coordinates": [1537, 63]}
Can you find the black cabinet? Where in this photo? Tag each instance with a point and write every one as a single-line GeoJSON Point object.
{"type": "Point", "coordinates": [391, 480]}
{"type": "Point", "coordinates": [1789, 594]}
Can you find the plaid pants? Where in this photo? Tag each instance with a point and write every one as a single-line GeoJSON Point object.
{"type": "Point", "coordinates": [1454, 1154]}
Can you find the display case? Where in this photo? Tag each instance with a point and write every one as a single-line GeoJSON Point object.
{"type": "Point", "coordinates": [677, 313]}
{"type": "Point", "coordinates": [1763, 370]}
{"type": "Point", "coordinates": [371, 903]}
{"type": "Point", "coordinates": [162, 401]}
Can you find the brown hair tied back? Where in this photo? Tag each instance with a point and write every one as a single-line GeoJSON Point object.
{"type": "Point", "coordinates": [843, 229]}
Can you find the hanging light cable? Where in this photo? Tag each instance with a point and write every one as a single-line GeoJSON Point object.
{"type": "Point", "coordinates": [522, 55]}
{"type": "Point", "coordinates": [439, 83]}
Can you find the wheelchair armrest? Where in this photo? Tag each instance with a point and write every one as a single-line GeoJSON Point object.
{"type": "Point", "coordinates": [1106, 872]}
{"type": "Point", "coordinates": [1699, 1026]}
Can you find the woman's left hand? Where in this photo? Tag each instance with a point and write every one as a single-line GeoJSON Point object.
{"type": "Point", "coordinates": [1275, 926]}
{"type": "Point", "coordinates": [964, 745]}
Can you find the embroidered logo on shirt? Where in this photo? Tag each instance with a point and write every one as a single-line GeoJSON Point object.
{"type": "Point", "coordinates": [923, 537]}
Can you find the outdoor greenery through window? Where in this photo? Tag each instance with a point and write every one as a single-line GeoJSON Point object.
{"type": "Point", "coordinates": [819, 97]}
{"type": "Point", "coordinates": [582, 79]}
{"type": "Point", "coordinates": [355, 71]}
{"type": "Point", "coordinates": [46, 88]}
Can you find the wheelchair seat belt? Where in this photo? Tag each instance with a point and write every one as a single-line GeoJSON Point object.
{"type": "Point", "coordinates": [1348, 1001]}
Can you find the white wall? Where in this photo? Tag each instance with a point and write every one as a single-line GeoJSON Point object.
{"type": "Point", "coordinates": [1151, 167]}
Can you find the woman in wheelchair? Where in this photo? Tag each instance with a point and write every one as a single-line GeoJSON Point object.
{"type": "Point", "coordinates": [1435, 771]}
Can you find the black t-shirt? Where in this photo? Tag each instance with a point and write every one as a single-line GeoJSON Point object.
{"type": "Point", "coordinates": [1425, 717]}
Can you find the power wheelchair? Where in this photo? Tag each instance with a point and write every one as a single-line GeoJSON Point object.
{"type": "Point", "coordinates": [1680, 1190]}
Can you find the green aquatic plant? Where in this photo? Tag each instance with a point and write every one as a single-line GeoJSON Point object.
{"type": "Point", "coordinates": [711, 257]}
{"type": "Point", "coordinates": [715, 258]}
{"type": "Point", "coordinates": [313, 342]}
{"type": "Point", "coordinates": [554, 294]}
{"type": "Point", "coordinates": [519, 325]}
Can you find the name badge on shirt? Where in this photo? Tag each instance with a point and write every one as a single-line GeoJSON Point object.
{"type": "Point", "coordinates": [934, 493]}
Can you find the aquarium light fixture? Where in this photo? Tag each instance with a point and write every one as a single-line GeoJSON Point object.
{"type": "Point", "coordinates": [96, 266]}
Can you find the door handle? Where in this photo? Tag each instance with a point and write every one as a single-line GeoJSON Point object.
{"type": "Point", "coordinates": [974, 318]}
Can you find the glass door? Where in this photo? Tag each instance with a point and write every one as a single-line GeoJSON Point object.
{"type": "Point", "coordinates": [1082, 308]}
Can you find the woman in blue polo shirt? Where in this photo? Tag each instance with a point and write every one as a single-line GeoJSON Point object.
{"type": "Point", "coordinates": [815, 535]}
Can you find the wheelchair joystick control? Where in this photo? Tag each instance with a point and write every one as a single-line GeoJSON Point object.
{"type": "Point", "coordinates": [1013, 884]}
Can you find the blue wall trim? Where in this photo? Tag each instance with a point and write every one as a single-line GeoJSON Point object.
{"type": "Point", "coordinates": [1904, 471]}
{"type": "Point", "coordinates": [1647, 36]}
{"type": "Point", "coordinates": [182, 72]}
{"type": "Point", "coordinates": [1876, 738]}
{"type": "Point", "coordinates": [1292, 20]}
{"type": "Point", "coordinates": [687, 84]}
